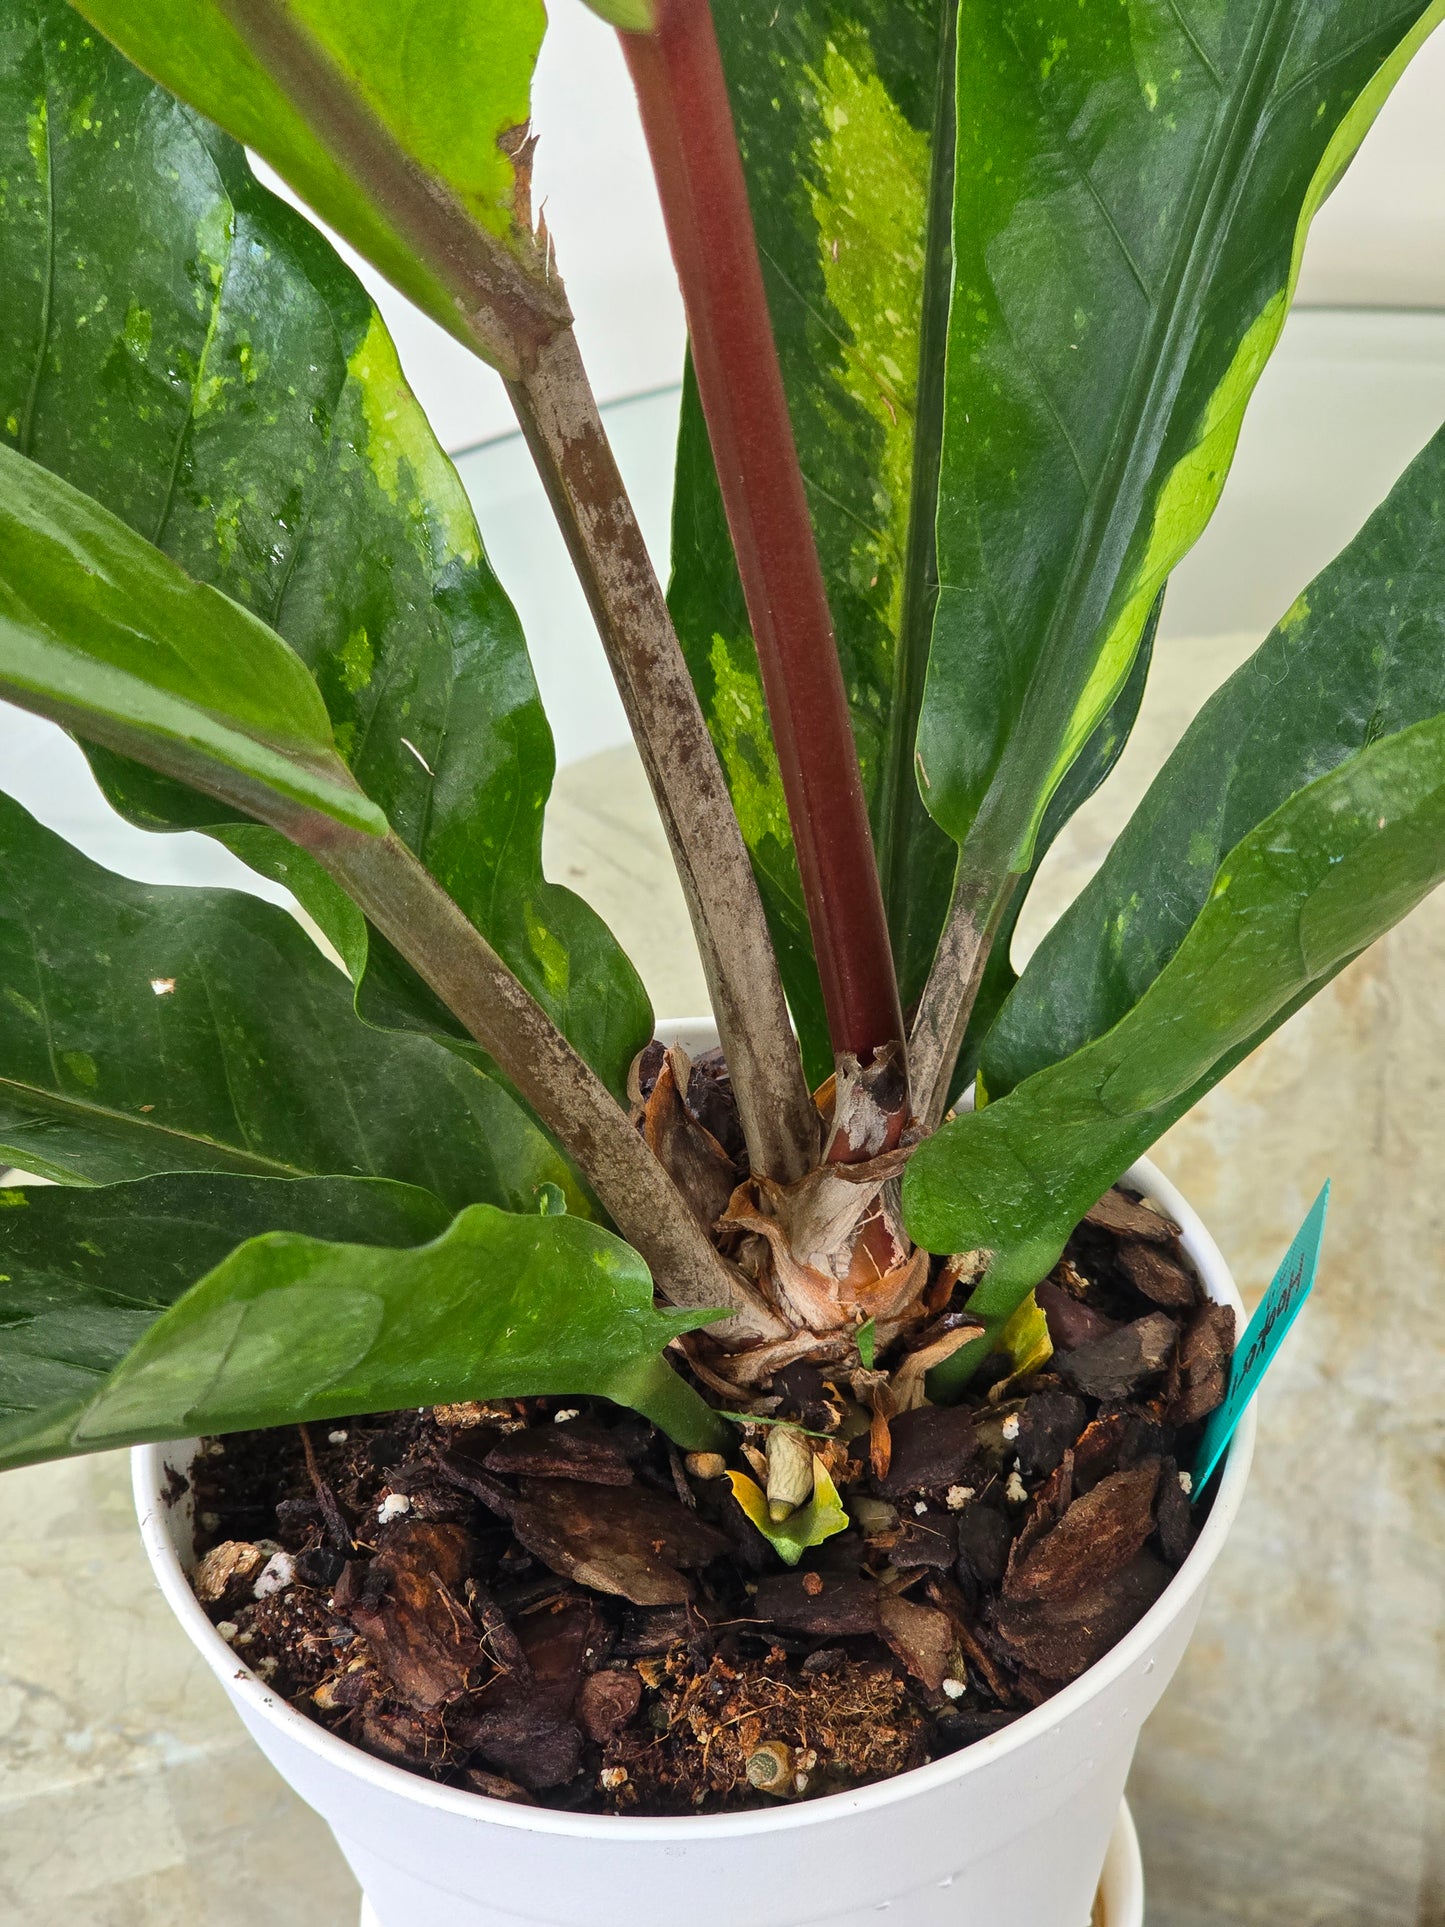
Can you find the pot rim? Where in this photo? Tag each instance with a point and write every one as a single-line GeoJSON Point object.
{"type": "Point", "coordinates": [148, 1464]}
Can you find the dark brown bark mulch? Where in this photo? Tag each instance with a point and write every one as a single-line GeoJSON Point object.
{"type": "Point", "coordinates": [539, 1600]}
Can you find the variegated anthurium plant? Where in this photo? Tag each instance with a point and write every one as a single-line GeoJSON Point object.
{"type": "Point", "coordinates": [977, 298]}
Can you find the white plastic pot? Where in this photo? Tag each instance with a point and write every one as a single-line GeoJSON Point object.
{"type": "Point", "coordinates": [1119, 1902]}
{"type": "Point", "coordinates": [1013, 1831]}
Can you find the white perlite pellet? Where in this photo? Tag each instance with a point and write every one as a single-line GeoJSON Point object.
{"type": "Point", "coordinates": [276, 1575]}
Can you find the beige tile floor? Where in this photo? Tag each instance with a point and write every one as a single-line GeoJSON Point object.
{"type": "Point", "coordinates": [1295, 1776]}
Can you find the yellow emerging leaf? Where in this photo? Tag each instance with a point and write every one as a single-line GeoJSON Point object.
{"type": "Point", "coordinates": [790, 1538]}
{"type": "Point", "coordinates": [1026, 1339]}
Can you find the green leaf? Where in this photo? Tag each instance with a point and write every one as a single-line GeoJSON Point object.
{"type": "Point", "coordinates": [85, 1274]}
{"type": "Point", "coordinates": [289, 1328]}
{"type": "Point", "coordinates": [444, 88]}
{"type": "Point", "coordinates": [1145, 962]}
{"type": "Point", "coordinates": [1361, 655]}
{"type": "Point", "coordinates": [835, 103]}
{"type": "Point", "coordinates": [551, 1200]}
{"type": "Point", "coordinates": [810, 1525]}
{"type": "Point", "coordinates": [98, 630]}
{"type": "Point", "coordinates": [1321, 877]}
{"type": "Point", "coordinates": [1025, 1337]}
{"type": "Point", "coordinates": [146, 1028]}
{"type": "Point", "coordinates": [634, 16]}
{"type": "Point", "coordinates": [866, 1338]}
{"type": "Point", "coordinates": [188, 350]}
{"type": "Point", "coordinates": [1133, 198]}
{"type": "Point", "coordinates": [1081, 780]}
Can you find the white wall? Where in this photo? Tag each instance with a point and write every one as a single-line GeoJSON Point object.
{"type": "Point", "coordinates": [1379, 242]}
{"type": "Point", "coordinates": [1349, 398]}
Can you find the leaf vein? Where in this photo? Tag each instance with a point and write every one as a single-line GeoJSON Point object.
{"type": "Point", "coordinates": [1319, 68]}
{"type": "Point", "coordinates": [1201, 52]}
{"type": "Point", "coordinates": [188, 419]}
{"type": "Point", "coordinates": [1069, 154]}
{"type": "Point", "coordinates": [106, 1115]}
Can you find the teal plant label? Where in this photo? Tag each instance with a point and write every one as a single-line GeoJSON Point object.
{"type": "Point", "coordinates": [1277, 1311]}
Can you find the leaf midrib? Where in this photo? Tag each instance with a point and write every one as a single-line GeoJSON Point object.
{"type": "Point", "coordinates": [902, 816]}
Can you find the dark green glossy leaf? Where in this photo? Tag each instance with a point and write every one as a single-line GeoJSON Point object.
{"type": "Point", "coordinates": [446, 85]}
{"type": "Point", "coordinates": [1361, 655]}
{"type": "Point", "coordinates": [1134, 187]}
{"type": "Point", "coordinates": [834, 102]}
{"type": "Point", "coordinates": [85, 1274]}
{"type": "Point", "coordinates": [1081, 780]}
{"type": "Point", "coordinates": [1172, 935]}
{"type": "Point", "coordinates": [1320, 878]}
{"type": "Point", "coordinates": [147, 1029]}
{"type": "Point", "coordinates": [99, 630]}
{"type": "Point", "coordinates": [185, 348]}
{"type": "Point", "coordinates": [289, 1327]}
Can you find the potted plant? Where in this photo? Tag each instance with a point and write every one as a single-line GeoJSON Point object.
{"type": "Point", "coordinates": [676, 1454]}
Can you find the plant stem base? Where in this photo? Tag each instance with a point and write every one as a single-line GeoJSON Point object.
{"type": "Point", "coordinates": [1121, 1891]}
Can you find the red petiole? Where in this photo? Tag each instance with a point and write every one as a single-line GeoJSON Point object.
{"type": "Point", "coordinates": [677, 71]}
